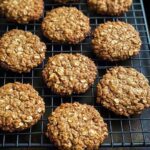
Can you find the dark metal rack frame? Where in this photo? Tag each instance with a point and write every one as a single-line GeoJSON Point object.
{"type": "Point", "coordinates": [123, 132]}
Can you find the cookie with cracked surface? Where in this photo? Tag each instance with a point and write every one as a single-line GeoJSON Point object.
{"type": "Point", "coordinates": [22, 11]}
{"type": "Point", "coordinates": [20, 107]}
{"type": "Point", "coordinates": [66, 74]}
{"type": "Point", "coordinates": [110, 7]}
{"type": "Point", "coordinates": [75, 126]}
{"type": "Point", "coordinates": [116, 41]}
{"type": "Point", "coordinates": [123, 90]}
{"type": "Point", "coordinates": [66, 25]}
{"type": "Point", "coordinates": [20, 51]}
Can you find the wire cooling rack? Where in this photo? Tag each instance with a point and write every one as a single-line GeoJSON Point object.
{"type": "Point", "coordinates": [131, 131]}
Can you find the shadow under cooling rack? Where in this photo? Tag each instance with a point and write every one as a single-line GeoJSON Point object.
{"type": "Point", "coordinates": [132, 131]}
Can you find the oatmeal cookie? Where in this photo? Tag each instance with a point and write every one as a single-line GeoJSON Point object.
{"type": "Point", "coordinates": [20, 51]}
{"type": "Point", "coordinates": [110, 7]}
{"type": "Point", "coordinates": [115, 41]}
{"type": "Point", "coordinates": [22, 11]}
{"type": "Point", "coordinates": [66, 25]}
{"type": "Point", "coordinates": [20, 107]}
{"type": "Point", "coordinates": [69, 73]}
{"type": "Point", "coordinates": [74, 126]}
{"type": "Point", "coordinates": [125, 91]}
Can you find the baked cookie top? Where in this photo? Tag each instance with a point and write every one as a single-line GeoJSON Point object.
{"type": "Point", "coordinates": [20, 106]}
{"type": "Point", "coordinates": [66, 25]}
{"type": "Point", "coordinates": [22, 11]}
{"type": "Point", "coordinates": [110, 7]}
{"type": "Point", "coordinates": [115, 41]}
{"type": "Point", "coordinates": [123, 90]}
{"type": "Point", "coordinates": [20, 51]}
{"type": "Point", "coordinates": [66, 74]}
{"type": "Point", "coordinates": [76, 126]}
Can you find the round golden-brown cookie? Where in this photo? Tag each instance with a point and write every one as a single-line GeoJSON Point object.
{"type": "Point", "coordinates": [76, 126]}
{"type": "Point", "coordinates": [20, 51]}
{"type": "Point", "coordinates": [20, 106]}
{"type": "Point", "coordinates": [115, 41]}
{"type": "Point", "coordinates": [110, 7]}
{"type": "Point", "coordinates": [66, 74]}
{"type": "Point", "coordinates": [125, 91]}
{"type": "Point", "coordinates": [66, 25]}
{"type": "Point", "coordinates": [22, 11]}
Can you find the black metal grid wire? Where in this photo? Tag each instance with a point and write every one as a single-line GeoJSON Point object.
{"type": "Point", "coordinates": [131, 131]}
